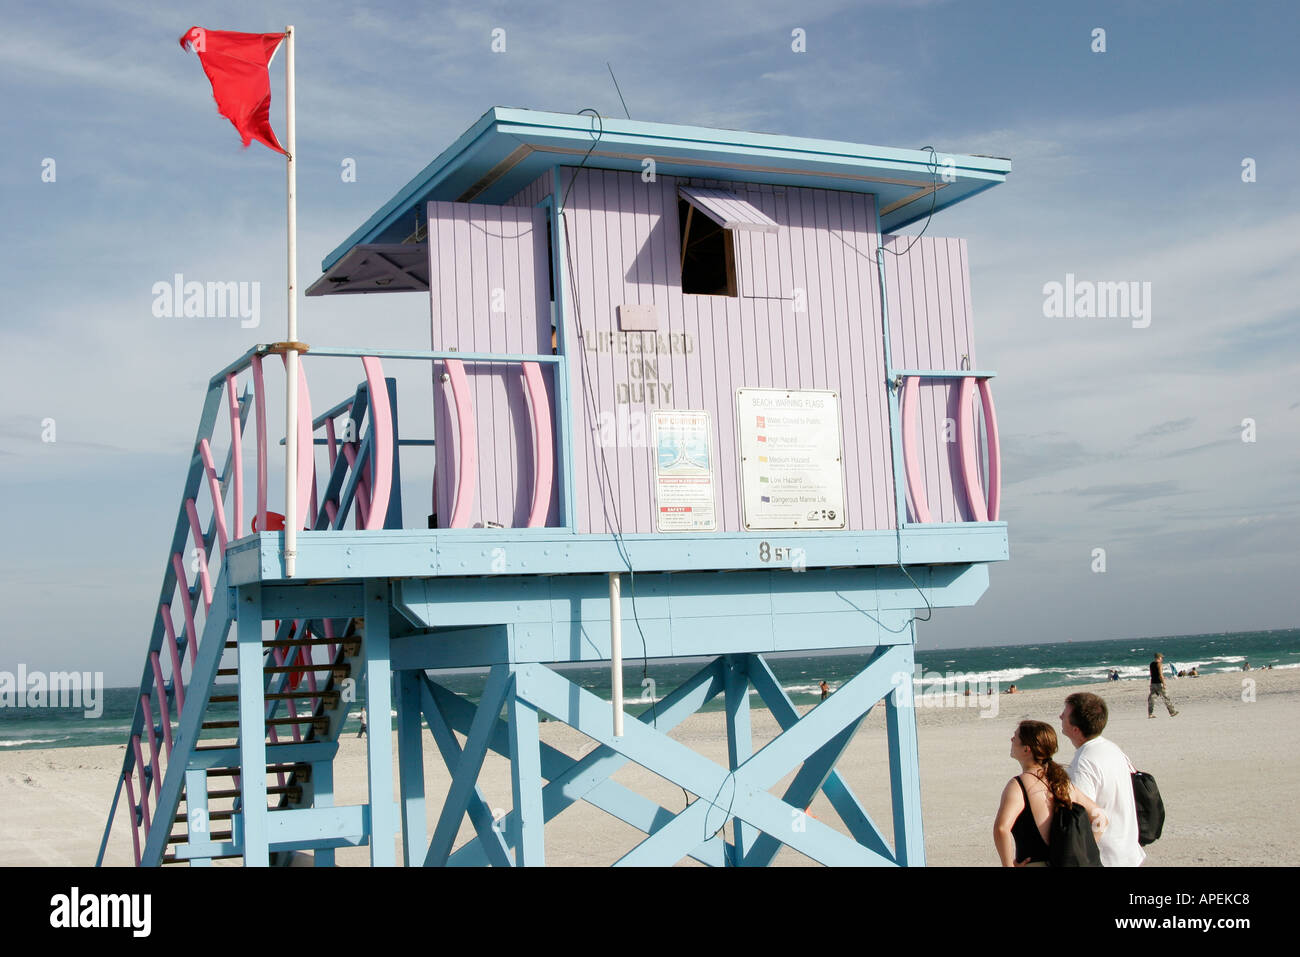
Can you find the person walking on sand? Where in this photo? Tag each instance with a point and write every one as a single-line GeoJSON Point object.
{"type": "Point", "coordinates": [362, 729]}
{"type": "Point", "coordinates": [1105, 775]}
{"type": "Point", "coordinates": [1022, 828]}
{"type": "Point", "coordinates": [1158, 688]}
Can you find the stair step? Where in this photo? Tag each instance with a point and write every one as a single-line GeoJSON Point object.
{"type": "Point", "coordinates": [299, 642]}
{"type": "Point", "coordinates": [293, 790]}
{"type": "Point", "coordinates": [282, 696]}
{"type": "Point", "coordinates": [225, 815]}
{"type": "Point", "coordinates": [340, 671]}
{"type": "Point", "coordinates": [214, 836]}
{"type": "Point", "coordinates": [173, 859]}
{"type": "Point", "coordinates": [309, 719]}
{"type": "Point", "coordinates": [302, 770]}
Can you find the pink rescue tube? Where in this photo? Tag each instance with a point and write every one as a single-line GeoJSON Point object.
{"type": "Point", "coordinates": [259, 407]}
{"type": "Point", "coordinates": [543, 445]}
{"type": "Point", "coordinates": [381, 432]}
{"type": "Point", "coordinates": [995, 450]}
{"type": "Point", "coordinates": [966, 446]}
{"type": "Point", "coordinates": [911, 458]}
{"type": "Point", "coordinates": [467, 444]}
{"type": "Point", "coordinates": [236, 464]}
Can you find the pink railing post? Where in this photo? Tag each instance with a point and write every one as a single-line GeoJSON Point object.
{"type": "Point", "coordinates": [183, 586]}
{"type": "Point", "coordinates": [219, 506]}
{"type": "Point", "coordinates": [135, 817]}
{"type": "Point", "coordinates": [259, 406]}
{"type": "Point", "coordinates": [163, 706]}
{"type": "Point", "coordinates": [236, 459]}
{"type": "Point", "coordinates": [178, 686]}
{"type": "Point", "coordinates": [202, 548]}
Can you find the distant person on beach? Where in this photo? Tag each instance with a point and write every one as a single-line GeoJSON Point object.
{"type": "Point", "coordinates": [826, 690]}
{"type": "Point", "coordinates": [1245, 666]}
{"type": "Point", "coordinates": [362, 730]}
{"type": "Point", "coordinates": [1158, 688]}
{"type": "Point", "coordinates": [1105, 775]}
{"type": "Point", "coordinates": [1012, 689]}
{"type": "Point", "coordinates": [1022, 828]}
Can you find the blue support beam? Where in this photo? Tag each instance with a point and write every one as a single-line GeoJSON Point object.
{"type": "Point", "coordinates": [904, 763]}
{"type": "Point", "coordinates": [197, 825]}
{"type": "Point", "coordinates": [322, 784]}
{"type": "Point", "coordinates": [460, 552]}
{"type": "Point", "coordinates": [379, 738]}
{"type": "Point", "coordinates": [740, 744]}
{"type": "Point", "coordinates": [410, 766]}
{"type": "Point", "coordinates": [525, 782]}
{"type": "Point", "coordinates": [252, 727]}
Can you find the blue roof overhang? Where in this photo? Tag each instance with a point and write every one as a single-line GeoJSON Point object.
{"type": "Point", "coordinates": [509, 148]}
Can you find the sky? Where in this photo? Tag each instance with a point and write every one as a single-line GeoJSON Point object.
{"type": "Point", "coordinates": [1168, 158]}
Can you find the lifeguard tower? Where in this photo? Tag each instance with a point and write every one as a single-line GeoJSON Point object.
{"type": "Point", "coordinates": [688, 385]}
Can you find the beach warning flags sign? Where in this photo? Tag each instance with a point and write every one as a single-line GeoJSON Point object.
{"type": "Point", "coordinates": [236, 65]}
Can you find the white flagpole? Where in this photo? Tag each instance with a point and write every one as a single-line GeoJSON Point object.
{"type": "Point", "coordinates": [291, 369]}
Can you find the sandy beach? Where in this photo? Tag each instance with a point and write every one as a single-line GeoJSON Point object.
{"type": "Point", "coordinates": [1225, 767]}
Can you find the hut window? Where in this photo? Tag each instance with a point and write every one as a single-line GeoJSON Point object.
{"type": "Point", "coordinates": [708, 254]}
{"type": "Point", "coordinates": [709, 220]}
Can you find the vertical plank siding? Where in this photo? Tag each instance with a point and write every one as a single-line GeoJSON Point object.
{"type": "Point", "coordinates": [807, 316]}
{"type": "Point", "coordinates": [624, 235]}
{"type": "Point", "coordinates": [931, 327]}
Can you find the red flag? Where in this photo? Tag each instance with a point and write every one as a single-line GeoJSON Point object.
{"type": "Point", "coordinates": [236, 64]}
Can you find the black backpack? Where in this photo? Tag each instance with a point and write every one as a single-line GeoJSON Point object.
{"type": "Point", "coordinates": [1150, 808]}
{"type": "Point", "coordinates": [1072, 843]}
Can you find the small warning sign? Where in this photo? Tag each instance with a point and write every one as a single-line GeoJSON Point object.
{"type": "Point", "coordinates": [684, 494]}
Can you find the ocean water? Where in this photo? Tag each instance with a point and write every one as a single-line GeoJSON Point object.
{"type": "Point", "coordinates": [1046, 665]}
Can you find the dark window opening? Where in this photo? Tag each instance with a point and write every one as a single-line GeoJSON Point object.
{"type": "Point", "coordinates": [708, 254]}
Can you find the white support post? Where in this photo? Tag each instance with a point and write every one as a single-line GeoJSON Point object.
{"type": "Point", "coordinates": [616, 650]}
{"type": "Point", "coordinates": [291, 356]}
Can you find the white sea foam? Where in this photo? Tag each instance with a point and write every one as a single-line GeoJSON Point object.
{"type": "Point", "coordinates": [21, 741]}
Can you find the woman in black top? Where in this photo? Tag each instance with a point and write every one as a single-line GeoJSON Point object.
{"type": "Point", "coordinates": [1024, 818]}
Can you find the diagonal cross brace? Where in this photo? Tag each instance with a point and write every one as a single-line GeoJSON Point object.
{"type": "Point", "coordinates": [465, 779]}
{"type": "Point", "coordinates": [587, 778]}
{"type": "Point", "coordinates": [847, 806]}
{"type": "Point", "coordinates": [697, 774]}
{"type": "Point", "coordinates": [479, 812]}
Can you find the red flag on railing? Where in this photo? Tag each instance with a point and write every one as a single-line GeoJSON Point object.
{"type": "Point", "coordinates": [236, 64]}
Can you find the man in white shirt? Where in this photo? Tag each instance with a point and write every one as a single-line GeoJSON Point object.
{"type": "Point", "coordinates": [1103, 772]}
